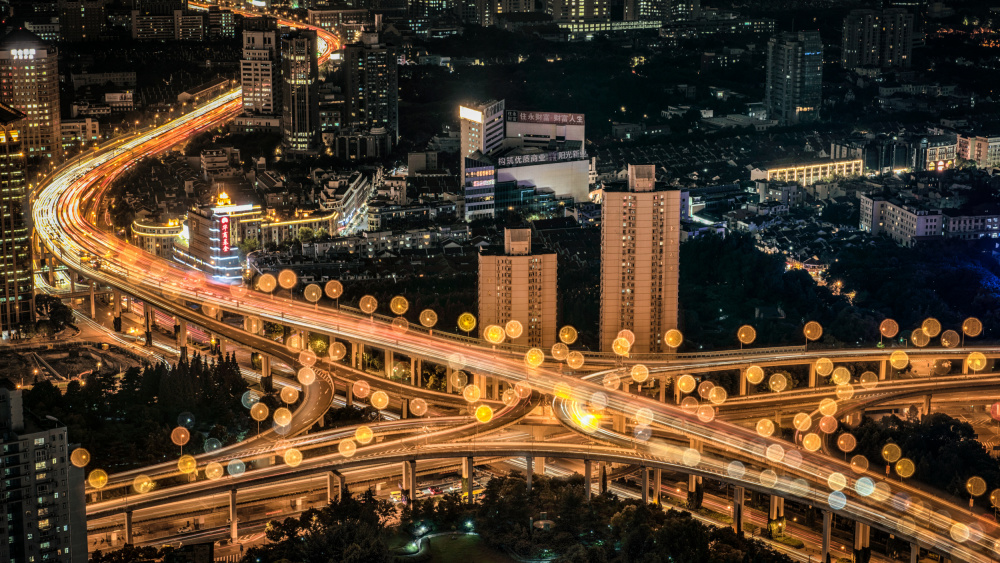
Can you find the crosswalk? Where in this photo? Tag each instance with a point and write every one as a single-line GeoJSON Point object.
{"type": "Point", "coordinates": [987, 429]}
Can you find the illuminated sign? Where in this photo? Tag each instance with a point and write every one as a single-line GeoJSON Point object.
{"type": "Point", "coordinates": [514, 116]}
{"type": "Point", "coordinates": [470, 114]}
{"type": "Point", "coordinates": [224, 227]}
{"type": "Point", "coordinates": [542, 158]}
{"type": "Point", "coordinates": [23, 53]}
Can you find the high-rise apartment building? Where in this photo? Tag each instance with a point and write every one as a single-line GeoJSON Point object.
{"type": "Point", "coordinates": [371, 85]}
{"type": "Point", "coordinates": [794, 83]}
{"type": "Point", "coordinates": [82, 20]}
{"type": "Point", "coordinates": [877, 39]}
{"type": "Point", "coordinates": [300, 128]}
{"type": "Point", "coordinates": [42, 509]}
{"type": "Point", "coordinates": [29, 82]}
{"type": "Point", "coordinates": [482, 128]}
{"type": "Point", "coordinates": [640, 245]}
{"type": "Point", "coordinates": [579, 11]}
{"type": "Point", "coordinates": [260, 69]}
{"type": "Point", "coordinates": [16, 278]}
{"type": "Point", "coordinates": [518, 285]}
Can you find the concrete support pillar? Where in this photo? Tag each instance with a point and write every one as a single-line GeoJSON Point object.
{"type": "Point", "coordinates": [927, 405]}
{"type": "Point", "coordinates": [694, 496]}
{"type": "Point", "coordinates": [414, 373]}
{"type": "Point", "coordinates": [447, 376]}
{"type": "Point", "coordinates": [677, 393]}
{"type": "Point", "coordinates": [233, 519]}
{"type": "Point", "coordinates": [827, 526]}
{"type": "Point", "coordinates": [93, 304]}
{"type": "Point", "coordinates": [618, 423]}
{"type": "Point", "coordinates": [644, 473]}
{"type": "Point", "coordinates": [468, 477]}
{"type": "Point", "coordinates": [587, 480]}
{"type": "Point", "coordinates": [812, 375]}
{"type": "Point", "coordinates": [222, 344]}
{"type": "Point", "coordinates": [408, 470]}
{"type": "Point", "coordinates": [128, 526]}
{"type": "Point", "coordinates": [663, 389]}
{"type": "Point", "coordinates": [117, 297]}
{"type": "Point", "coordinates": [776, 509]}
{"type": "Point", "coordinates": [738, 510]}
{"type": "Point", "coordinates": [148, 314]}
{"type": "Point", "coordinates": [128, 304]}
{"type": "Point", "coordinates": [657, 484]}
{"type": "Point", "coordinates": [540, 465]}
{"type": "Point", "coordinates": [334, 484]}
{"type": "Point", "coordinates": [349, 396]}
{"type": "Point", "coordinates": [529, 463]}
{"type": "Point", "coordinates": [182, 337]}
{"type": "Point", "coordinates": [404, 409]}
{"type": "Point", "coordinates": [390, 360]}
{"type": "Point", "coordinates": [862, 539]}
{"type": "Point", "coordinates": [265, 366]}
{"type": "Point", "coordinates": [883, 369]}
{"type": "Point", "coordinates": [604, 477]}
{"type": "Point", "coordinates": [914, 553]}
{"type": "Point", "coordinates": [744, 384]}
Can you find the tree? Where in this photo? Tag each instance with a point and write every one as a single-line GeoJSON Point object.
{"type": "Point", "coordinates": [249, 245]}
{"type": "Point", "coordinates": [306, 234]}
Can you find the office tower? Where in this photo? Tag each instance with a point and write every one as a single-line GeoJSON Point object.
{"type": "Point", "coordinates": [877, 39]}
{"type": "Point", "coordinates": [16, 280]}
{"type": "Point", "coordinates": [300, 93]}
{"type": "Point", "coordinates": [371, 85]}
{"type": "Point", "coordinates": [482, 129]}
{"type": "Point", "coordinates": [42, 509]}
{"type": "Point", "coordinates": [794, 88]}
{"type": "Point", "coordinates": [517, 285]}
{"type": "Point", "coordinates": [640, 245]}
{"type": "Point", "coordinates": [488, 10]}
{"type": "Point", "coordinates": [82, 20]}
{"type": "Point", "coordinates": [260, 69]}
{"type": "Point", "coordinates": [29, 82]}
{"type": "Point", "coordinates": [578, 11]}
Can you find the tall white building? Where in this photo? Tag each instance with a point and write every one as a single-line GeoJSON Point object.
{"type": "Point", "coordinates": [260, 69]}
{"type": "Point", "coordinates": [29, 81]}
{"type": "Point", "coordinates": [482, 128]}
{"type": "Point", "coordinates": [640, 246]}
{"type": "Point", "coordinates": [42, 509]}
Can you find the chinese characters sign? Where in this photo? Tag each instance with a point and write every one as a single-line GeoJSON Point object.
{"type": "Point", "coordinates": [514, 116]}
{"type": "Point", "coordinates": [224, 228]}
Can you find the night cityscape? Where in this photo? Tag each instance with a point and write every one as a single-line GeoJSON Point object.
{"type": "Point", "coordinates": [499, 281]}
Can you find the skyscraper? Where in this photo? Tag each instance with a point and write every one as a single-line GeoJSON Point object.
{"type": "Point", "coordinates": [300, 93]}
{"type": "Point", "coordinates": [482, 129]}
{"type": "Point", "coordinates": [29, 82]}
{"type": "Point", "coordinates": [877, 39]}
{"type": "Point", "coordinates": [371, 85]}
{"type": "Point", "coordinates": [260, 69]}
{"type": "Point", "coordinates": [16, 280]}
{"type": "Point", "coordinates": [82, 20]}
{"type": "Point", "coordinates": [640, 245]}
{"type": "Point", "coordinates": [43, 508]}
{"type": "Point", "coordinates": [517, 285]}
{"type": "Point", "coordinates": [794, 85]}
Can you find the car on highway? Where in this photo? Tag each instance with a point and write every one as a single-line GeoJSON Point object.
{"type": "Point", "coordinates": [185, 530]}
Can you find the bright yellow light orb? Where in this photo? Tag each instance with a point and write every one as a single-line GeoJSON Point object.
{"type": "Point", "coordinates": [765, 427]}
{"type": "Point", "coordinates": [560, 351]}
{"type": "Point", "coordinates": [828, 424]}
{"type": "Point", "coordinates": [899, 359]}
{"type": "Point", "coordinates": [868, 380]}
{"type": "Point", "coordinates": [364, 434]}
{"type": "Point", "coordinates": [514, 329]}
{"type": "Point", "coordinates": [640, 373]}
{"type": "Point", "coordinates": [673, 338]}
{"type": "Point", "coordinates": [889, 328]}
{"type": "Point", "coordinates": [80, 457]}
{"type": "Point", "coordinates": [98, 478]}
{"type": "Point", "coordinates": [312, 293]}
{"type": "Point", "coordinates": [845, 392]}
{"type": "Point", "coordinates": [187, 464]}
{"type": "Point", "coordinates": [289, 395]}
{"type": "Point", "coordinates": [494, 334]}
{"type": "Point", "coordinates": [292, 457]}
{"type": "Point", "coordinates": [802, 422]}
{"type": "Point", "coordinates": [399, 305]}
{"type": "Point", "coordinates": [778, 382]}
{"type": "Point", "coordinates": [813, 330]}
{"type": "Point", "coordinates": [976, 486]}
{"type": "Point", "coordinates": [466, 322]}
{"type": "Point", "coordinates": [213, 471]}
{"type": "Point", "coordinates": [368, 304]}
{"type": "Point", "coordinates": [399, 324]}
{"type": "Point", "coordinates": [567, 334]}
{"type": "Point", "coordinates": [976, 361]}
{"type": "Point", "coordinates": [931, 327]}
{"type": "Point", "coordinates": [142, 484]}
{"type": "Point", "coordinates": [891, 453]}
{"type": "Point", "coordinates": [180, 436]}
{"type": "Point", "coordinates": [333, 289]}
{"type": "Point", "coordinates": [847, 442]}
{"type": "Point", "coordinates": [841, 376]}
{"type": "Point", "coordinates": [686, 384]}
{"type": "Point", "coordinates": [718, 395]}
{"type": "Point", "coordinates": [337, 351]}
{"type": "Point", "coordinates": [811, 442]}
{"type": "Point", "coordinates": [347, 447]}
{"type": "Point", "coordinates": [746, 334]}
{"type": "Point", "coordinates": [534, 357]}
{"type": "Point", "coordinates": [574, 360]}
{"type": "Point", "coordinates": [919, 338]}
{"type": "Point", "coordinates": [287, 279]}
{"type": "Point", "coordinates": [258, 412]}
{"type": "Point", "coordinates": [484, 414]}
{"type": "Point", "coordinates": [755, 374]}
{"type": "Point", "coordinates": [824, 366]}
{"type": "Point", "coordinates": [379, 400]}
{"type": "Point", "coordinates": [267, 283]}
{"type": "Point", "coordinates": [282, 416]}
{"type": "Point", "coordinates": [828, 407]}
{"type": "Point", "coordinates": [628, 335]}
{"type": "Point", "coordinates": [471, 393]}
{"type": "Point", "coordinates": [972, 327]}
{"type": "Point", "coordinates": [621, 346]}
{"type": "Point", "coordinates": [905, 468]}
{"type": "Point", "coordinates": [361, 389]}
{"type": "Point", "coordinates": [428, 318]}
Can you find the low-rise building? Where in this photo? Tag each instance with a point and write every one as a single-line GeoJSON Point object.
{"type": "Point", "coordinates": [907, 223]}
{"type": "Point", "coordinates": [156, 235]}
{"type": "Point", "coordinates": [274, 229]}
{"type": "Point", "coordinates": [808, 172]}
{"type": "Point", "coordinates": [79, 132]}
{"type": "Point", "coordinates": [347, 195]}
{"type": "Point", "coordinates": [972, 224]}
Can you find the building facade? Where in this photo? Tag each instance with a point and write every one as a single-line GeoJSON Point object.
{"type": "Point", "coordinates": [300, 94]}
{"type": "Point", "coordinates": [808, 173]}
{"type": "Point", "coordinates": [16, 274]}
{"type": "Point", "coordinates": [794, 83]}
{"type": "Point", "coordinates": [157, 237]}
{"type": "Point", "coordinates": [482, 128]}
{"type": "Point", "coordinates": [873, 39]}
{"type": "Point", "coordinates": [29, 82]}
{"type": "Point", "coordinates": [518, 285]}
{"type": "Point", "coordinates": [906, 223]}
{"type": "Point", "coordinates": [213, 235]}
{"type": "Point", "coordinates": [260, 68]}
{"type": "Point", "coordinates": [82, 20]}
{"type": "Point", "coordinates": [640, 260]}
{"type": "Point", "coordinates": [371, 85]}
{"type": "Point", "coordinates": [42, 509]}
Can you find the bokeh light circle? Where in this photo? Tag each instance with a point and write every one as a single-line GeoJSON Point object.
{"type": "Point", "coordinates": [97, 479]}
{"type": "Point", "coordinates": [379, 400]}
{"type": "Point", "coordinates": [80, 457]}
{"type": "Point", "coordinates": [418, 407]}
